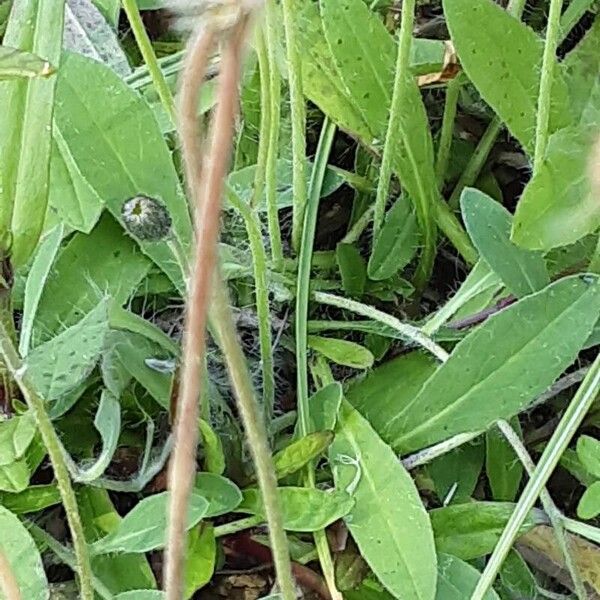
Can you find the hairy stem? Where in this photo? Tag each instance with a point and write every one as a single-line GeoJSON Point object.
{"type": "Point", "coordinates": [570, 422]}
{"type": "Point", "coordinates": [18, 372]}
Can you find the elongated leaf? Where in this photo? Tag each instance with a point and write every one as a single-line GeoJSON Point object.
{"type": "Point", "coordinates": [200, 558]}
{"type": "Point", "coordinates": [342, 352]}
{"type": "Point", "coordinates": [304, 509]}
{"type": "Point", "coordinates": [299, 453]}
{"type": "Point", "coordinates": [353, 270]}
{"type": "Point", "coordinates": [384, 393]}
{"type": "Point", "coordinates": [471, 530]}
{"type": "Point", "coordinates": [26, 128]}
{"type": "Point", "coordinates": [588, 452]}
{"type": "Point", "coordinates": [129, 156]}
{"type": "Point", "coordinates": [324, 407]}
{"type": "Point", "coordinates": [17, 63]}
{"type": "Point", "coordinates": [396, 243]}
{"type": "Point", "coordinates": [214, 458]}
{"type": "Point", "coordinates": [36, 281]}
{"type": "Point", "coordinates": [589, 504]}
{"type": "Point", "coordinates": [489, 223]}
{"type": "Point", "coordinates": [14, 477]}
{"type": "Point", "coordinates": [144, 528]}
{"type": "Point", "coordinates": [87, 32]}
{"type": "Point", "coordinates": [142, 595]}
{"type": "Point", "coordinates": [517, 579]}
{"type": "Point", "coordinates": [112, 264]}
{"type": "Point", "coordinates": [388, 521]}
{"type": "Point", "coordinates": [23, 556]}
{"type": "Point", "coordinates": [60, 364]}
{"type": "Point", "coordinates": [222, 495]}
{"type": "Point", "coordinates": [457, 579]}
{"type": "Point", "coordinates": [15, 436]}
{"type": "Point", "coordinates": [558, 206]}
{"type": "Point", "coordinates": [526, 347]}
{"type": "Point", "coordinates": [33, 499]}
{"type": "Point", "coordinates": [503, 57]}
{"type": "Point", "coordinates": [502, 467]}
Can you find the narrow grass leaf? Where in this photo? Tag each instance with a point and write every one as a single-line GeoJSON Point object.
{"type": "Point", "coordinates": [489, 224]}
{"type": "Point", "coordinates": [353, 269]}
{"type": "Point", "coordinates": [388, 521]}
{"type": "Point", "coordinates": [502, 467]}
{"type": "Point", "coordinates": [457, 579]}
{"type": "Point", "coordinates": [19, 64]}
{"type": "Point", "coordinates": [543, 332]}
{"type": "Point", "coordinates": [26, 127]}
{"type": "Point", "coordinates": [214, 458]}
{"type": "Point", "coordinates": [23, 556]}
{"type": "Point", "coordinates": [342, 352]}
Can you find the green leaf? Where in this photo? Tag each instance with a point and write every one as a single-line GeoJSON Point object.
{"type": "Point", "coordinates": [60, 364]}
{"type": "Point", "coordinates": [388, 389]}
{"type": "Point", "coordinates": [589, 504]}
{"type": "Point", "coordinates": [142, 595]}
{"type": "Point", "coordinates": [353, 270]}
{"type": "Point", "coordinates": [131, 147]}
{"type": "Point", "coordinates": [507, 75]}
{"type": "Point", "coordinates": [200, 558]}
{"type": "Point", "coordinates": [214, 459]}
{"type": "Point", "coordinates": [14, 477]}
{"type": "Point", "coordinates": [457, 579]}
{"type": "Point", "coordinates": [342, 352]}
{"type": "Point", "coordinates": [33, 499]}
{"type": "Point", "coordinates": [16, 63]}
{"type": "Point", "coordinates": [388, 521]}
{"type": "Point", "coordinates": [588, 451]}
{"type": "Point", "coordinates": [26, 128]}
{"type": "Point", "coordinates": [489, 223]}
{"type": "Point", "coordinates": [304, 509]}
{"type": "Point", "coordinates": [112, 264]}
{"type": "Point", "coordinates": [517, 579]}
{"type": "Point", "coordinates": [222, 495]}
{"type": "Point", "coordinates": [558, 206]}
{"type": "Point", "coordinates": [502, 467]}
{"type": "Point", "coordinates": [396, 243]}
{"type": "Point", "coordinates": [144, 527]}
{"type": "Point", "coordinates": [526, 347]}
{"type": "Point", "coordinates": [26, 563]}
{"type": "Point", "coordinates": [16, 435]}
{"type": "Point", "coordinates": [471, 530]}
{"type": "Point", "coordinates": [36, 281]}
{"type": "Point", "coordinates": [300, 452]}
{"type": "Point", "coordinates": [324, 407]}
{"type": "Point", "coordinates": [87, 32]}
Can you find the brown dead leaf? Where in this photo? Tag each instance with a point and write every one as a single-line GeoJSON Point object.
{"type": "Point", "coordinates": [450, 68]}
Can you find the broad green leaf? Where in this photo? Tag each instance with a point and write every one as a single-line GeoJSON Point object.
{"type": "Point", "coordinates": [23, 556]}
{"type": "Point", "coordinates": [558, 206]}
{"type": "Point", "coordinates": [63, 362]}
{"type": "Point", "coordinates": [517, 580]}
{"type": "Point", "coordinates": [589, 504]}
{"type": "Point", "coordinates": [489, 223]}
{"type": "Point", "coordinates": [119, 572]}
{"type": "Point", "coordinates": [502, 57]}
{"type": "Point", "coordinates": [112, 264]}
{"type": "Point", "coordinates": [144, 528]}
{"type": "Point", "coordinates": [388, 521]}
{"type": "Point", "coordinates": [16, 435]}
{"type": "Point", "coordinates": [212, 447]}
{"type": "Point", "coordinates": [353, 270]}
{"type": "Point", "coordinates": [526, 347]}
{"type": "Point", "coordinates": [502, 467]}
{"type": "Point", "coordinates": [384, 392]}
{"type": "Point", "coordinates": [108, 423]}
{"type": "Point", "coordinates": [36, 282]}
{"type": "Point", "coordinates": [324, 407]}
{"type": "Point", "coordinates": [129, 155]}
{"type": "Point", "coordinates": [88, 33]}
{"type": "Point", "coordinates": [14, 477]}
{"type": "Point", "coordinates": [71, 198]}
{"type": "Point", "coordinates": [26, 128]}
{"type": "Point", "coordinates": [457, 579]}
{"type": "Point", "coordinates": [588, 451]}
{"type": "Point", "coordinates": [304, 509]}
{"type": "Point", "coordinates": [200, 558]}
{"type": "Point", "coordinates": [342, 352]}
{"type": "Point", "coordinates": [222, 495]}
{"type": "Point", "coordinates": [33, 499]}
{"type": "Point", "coordinates": [396, 243]}
{"type": "Point", "coordinates": [300, 452]}
{"type": "Point", "coordinates": [17, 63]}
{"type": "Point", "coordinates": [471, 530]}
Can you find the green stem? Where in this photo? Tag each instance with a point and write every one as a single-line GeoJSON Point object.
{"type": "Point", "coordinates": [147, 52]}
{"type": "Point", "coordinates": [447, 131]}
{"type": "Point", "coordinates": [357, 229]}
{"type": "Point", "coordinates": [259, 264]}
{"type": "Point", "coordinates": [18, 372]}
{"type": "Point", "coordinates": [570, 422]}
{"type": "Point", "coordinates": [553, 512]}
{"type": "Point", "coordinates": [542, 132]}
{"type": "Point", "coordinates": [404, 329]}
{"type": "Point", "coordinates": [298, 109]}
{"type": "Point", "coordinates": [256, 434]}
{"type": "Point", "coordinates": [449, 224]}
{"type": "Point", "coordinates": [273, 106]}
{"type": "Point", "coordinates": [237, 526]}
